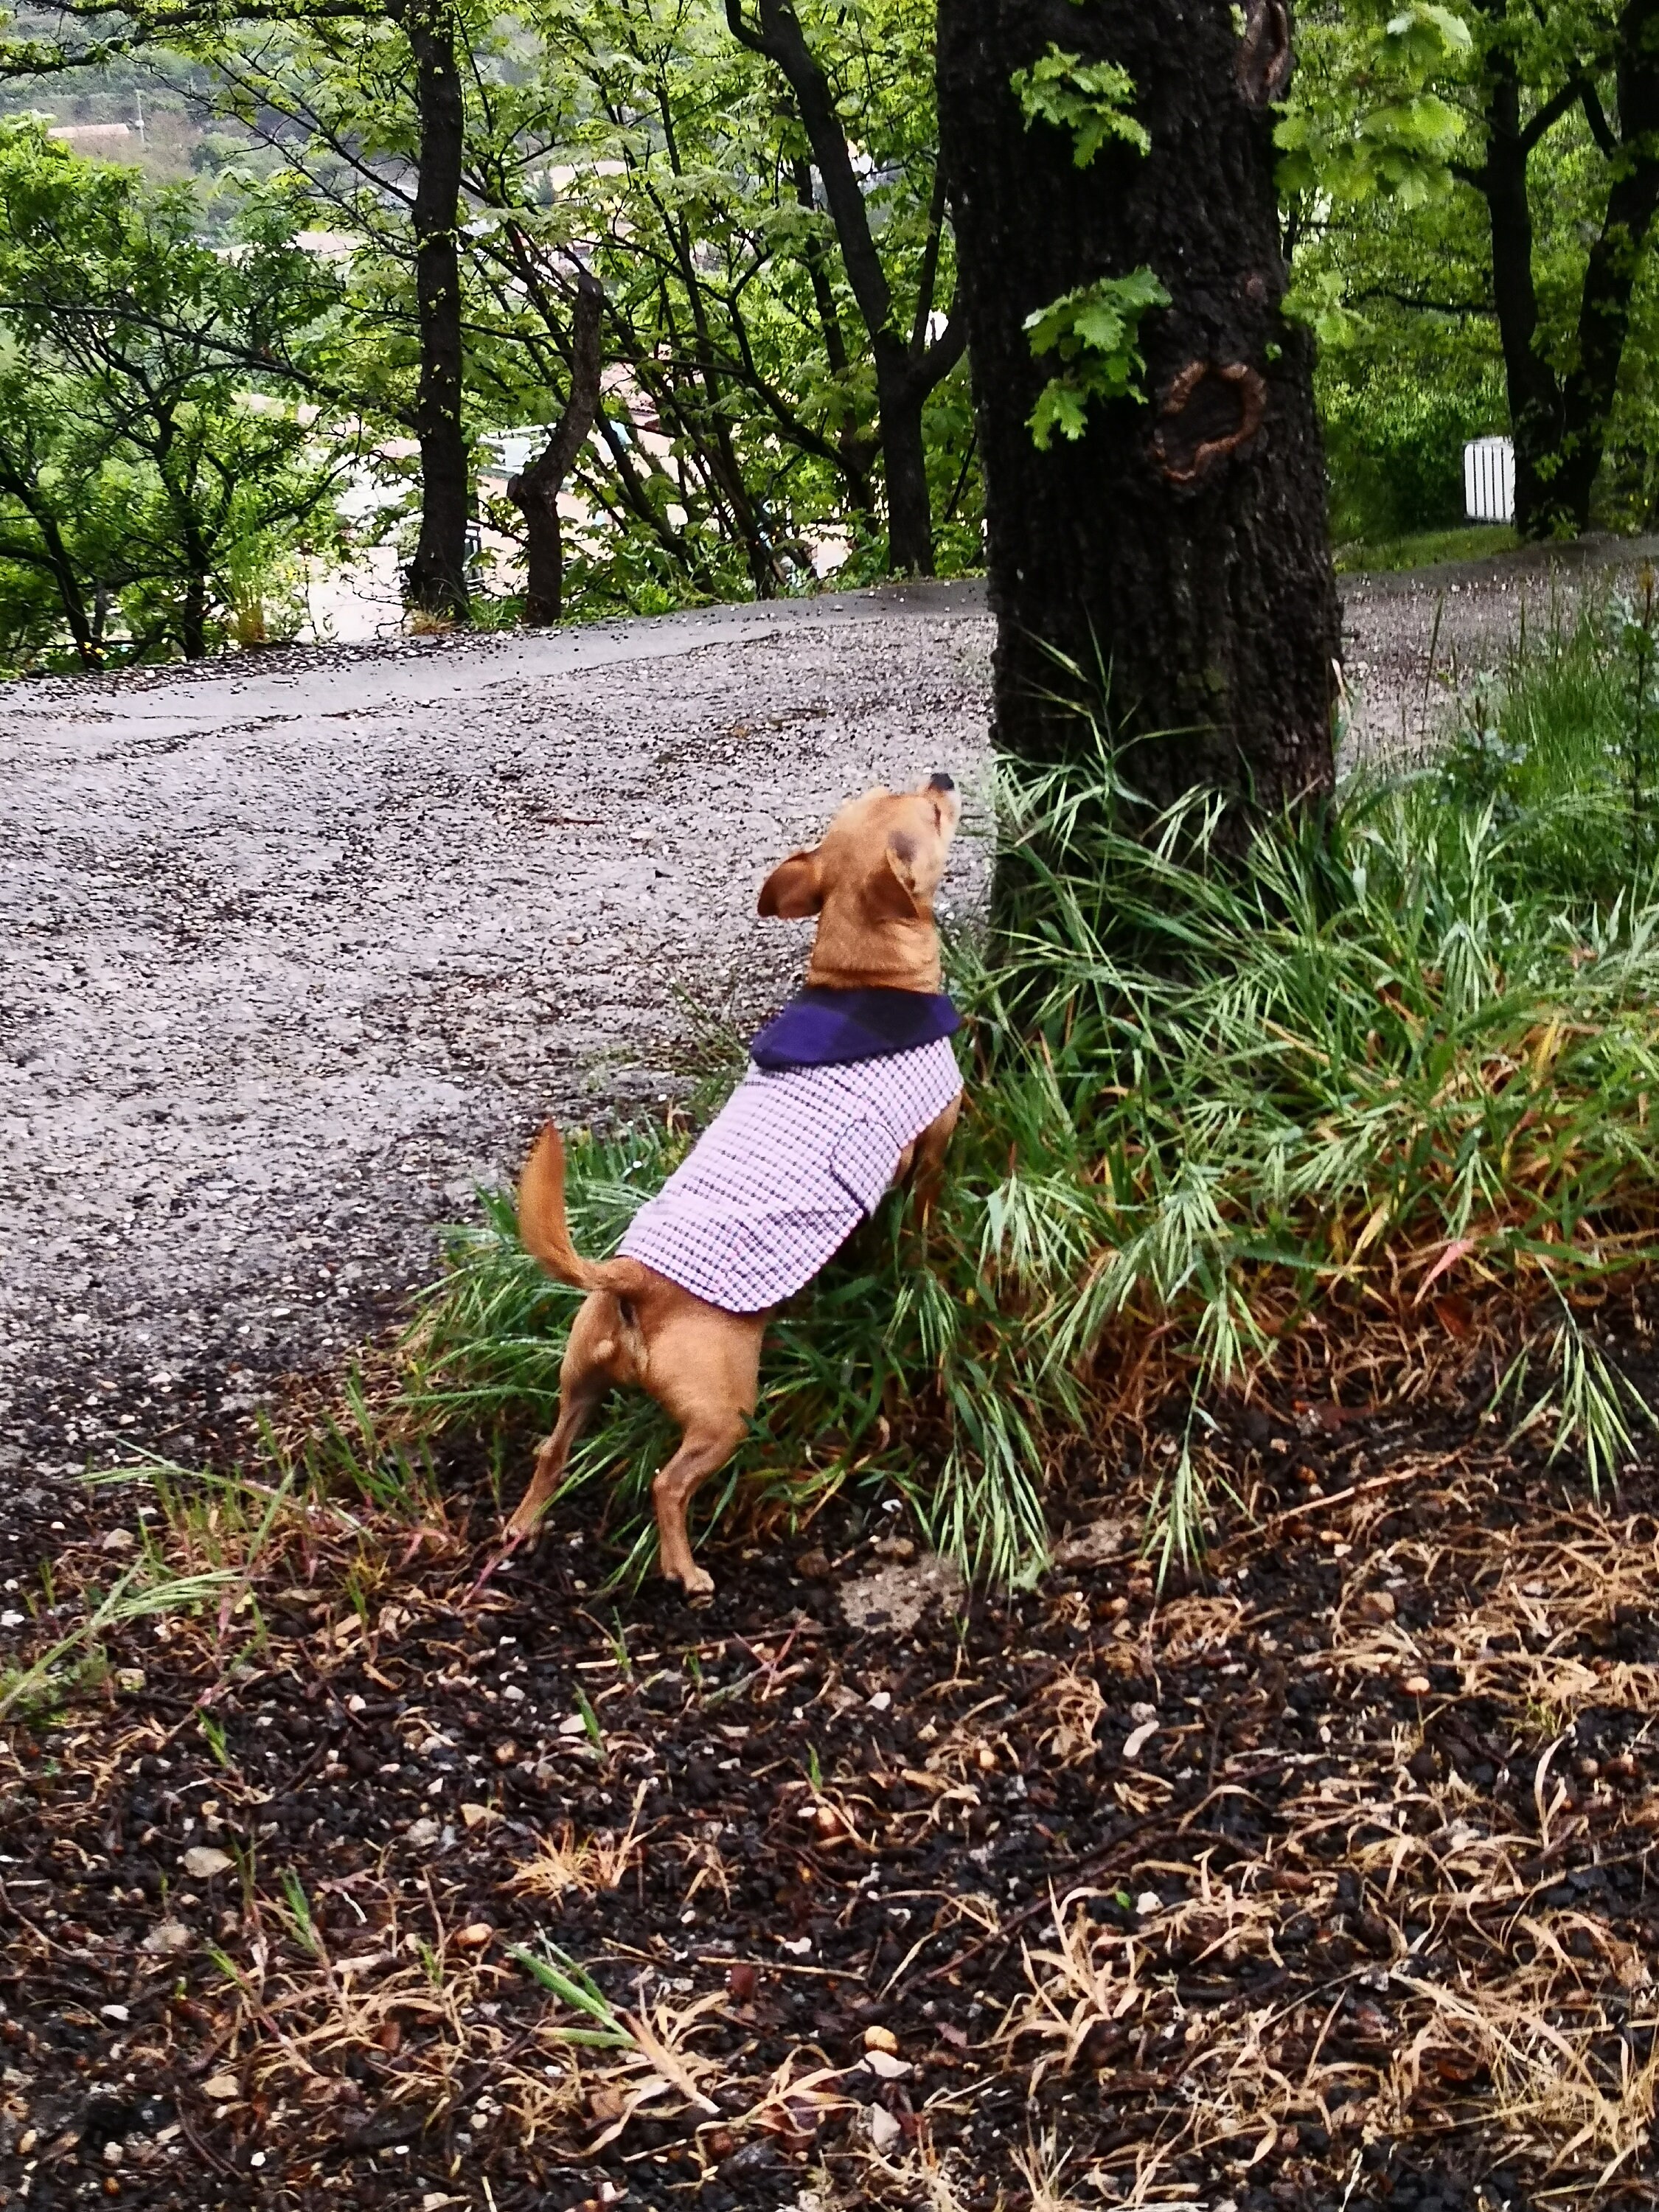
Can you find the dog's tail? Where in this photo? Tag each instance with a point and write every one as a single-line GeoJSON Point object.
{"type": "Point", "coordinates": [544, 1229]}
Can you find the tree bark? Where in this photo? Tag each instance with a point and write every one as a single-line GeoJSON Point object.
{"type": "Point", "coordinates": [535, 489]}
{"type": "Point", "coordinates": [437, 575]}
{"type": "Point", "coordinates": [1181, 543]}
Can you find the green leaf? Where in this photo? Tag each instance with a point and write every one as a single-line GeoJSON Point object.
{"type": "Point", "coordinates": [1088, 98]}
{"type": "Point", "coordinates": [1092, 330]}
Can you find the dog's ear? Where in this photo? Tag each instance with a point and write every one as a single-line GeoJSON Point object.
{"type": "Point", "coordinates": [794, 888]}
{"type": "Point", "coordinates": [892, 891]}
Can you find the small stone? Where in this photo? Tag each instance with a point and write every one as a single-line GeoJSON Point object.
{"type": "Point", "coordinates": [1148, 1901]}
{"type": "Point", "coordinates": [422, 1833]}
{"type": "Point", "coordinates": [885, 2067]}
{"type": "Point", "coordinates": [221, 2088]}
{"type": "Point", "coordinates": [167, 1939]}
{"type": "Point", "coordinates": [119, 1540]}
{"type": "Point", "coordinates": [202, 1861]}
{"type": "Point", "coordinates": [1375, 1606]}
{"type": "Point", "coordinates": [26, 2142]}
{"type": "Point", "coordinates": [813, 1566]}
{"type": "Point", "coordinates": [475, 1815]}
{"type": "Point", "coordinates": [118, 2014]}
{"type": "Point", "coordinates": [880, 1701]}
{"type": "Point", "coordinates": [506, 1753]}
{"type": "Point", "coordinates": [885, 2130]}
{"type": "Point", "coordinates": [881, 2039]}
{"type": "Point", "coordinates": [474, 1936]}
{"type": "Point", "coordinates": [129, 1678]}
{"type": "Point", "coordinates": [1138, 1738]}
{"type": "Point", "coordinates": [572, 1724]}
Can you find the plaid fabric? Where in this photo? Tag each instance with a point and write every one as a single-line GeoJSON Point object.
{"type": "Point", "coordinates": [785, 1172]}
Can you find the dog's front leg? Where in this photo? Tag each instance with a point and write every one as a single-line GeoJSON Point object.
{"type": "Point", "coordinates": [927, 1164]}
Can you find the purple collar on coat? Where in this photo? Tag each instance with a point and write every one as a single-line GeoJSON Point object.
{"type": "Point", "coordinates": [822, 1027]}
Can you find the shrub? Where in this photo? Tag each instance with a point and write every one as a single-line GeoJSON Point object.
{"type": "Point", "coordinates": [1373, 1079]}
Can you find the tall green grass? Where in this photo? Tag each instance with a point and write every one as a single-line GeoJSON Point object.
{"type": "Point", "coordinates": [1561, 742]}
{"type": "Point", "coordinates": [1392, 1054]}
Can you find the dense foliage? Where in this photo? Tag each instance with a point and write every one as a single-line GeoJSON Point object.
{"type": "Point", "coordinates": [380, 215]}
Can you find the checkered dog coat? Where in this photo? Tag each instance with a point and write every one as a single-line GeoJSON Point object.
{"type": "Point", "coordinates": [785, 1171]}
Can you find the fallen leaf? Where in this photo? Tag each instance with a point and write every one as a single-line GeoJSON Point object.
{"type": "Point", "coordinates": [885, 2130]}
{"type": "Point", "coordinates": [222, 2086]}
{"type": "Point", "coordinates": [202, 1862]}
{"type": "Point", "coordinates": [1454, 1315]}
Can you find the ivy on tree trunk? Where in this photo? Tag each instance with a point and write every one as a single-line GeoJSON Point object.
{"type": "Point", "coordinates": [1180, 539]}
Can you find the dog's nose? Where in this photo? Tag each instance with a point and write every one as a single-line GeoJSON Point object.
{"type": "Point", "coordinates": [939, 781]}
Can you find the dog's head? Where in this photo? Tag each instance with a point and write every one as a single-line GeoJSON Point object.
{"type": "Point", "coordinates": [870, 882]}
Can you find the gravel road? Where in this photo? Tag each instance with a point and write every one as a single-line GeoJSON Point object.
{"type": "Point", "coordinates": [301, 947]}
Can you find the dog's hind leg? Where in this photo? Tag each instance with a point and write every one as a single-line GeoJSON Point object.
{"type": "Point", "coordinates": [594, 1357]}
{"type": "Point", "coordinates": [705, 1371]}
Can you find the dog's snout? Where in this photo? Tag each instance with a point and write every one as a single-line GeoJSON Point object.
{"type": "Point", "coordinates": [939, 781]}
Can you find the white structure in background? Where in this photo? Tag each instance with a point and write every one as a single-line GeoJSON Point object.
{"type": "Point", "coordinates": [1489, 480]}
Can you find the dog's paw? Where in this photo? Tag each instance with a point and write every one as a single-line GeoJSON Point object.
{"type": "Point", "coordinates": [698, 1583]}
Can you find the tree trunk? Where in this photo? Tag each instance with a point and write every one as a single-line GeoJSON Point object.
{"type": "Point", "coordinates": [437, 574]}
{"type": "Point", "coordinates": [1615, 258]}
{"type": "Point", "coordinates": [192, 623]}
{"type": "Point", "coordinates": [905, 373]}
{"type": "Point", "coordinates": [535, 489]}
{"type": "Point", "coordinates": [901, 394]}
{"type": "Point", "coordinates": [1181, 543]}
{"type": "Point", "coordinates": [1533, 400]}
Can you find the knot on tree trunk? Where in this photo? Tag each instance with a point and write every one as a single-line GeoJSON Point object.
{"type": "Point", "coordinates": [1210, 409]}
{"type": "Point", "coordinates": [1263, 64]}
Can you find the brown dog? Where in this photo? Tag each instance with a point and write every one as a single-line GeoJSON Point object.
{"type": "Point", "coordinates": [870, 883]}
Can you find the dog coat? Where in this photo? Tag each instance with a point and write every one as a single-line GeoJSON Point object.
{"type": "Point", "coordinates": [800, 1152]}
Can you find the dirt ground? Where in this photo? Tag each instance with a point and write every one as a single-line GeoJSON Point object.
{"type": "Point", "coordinates": [301, 947]}
{"type": "Point", "coordinates": [1323, 1885]}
